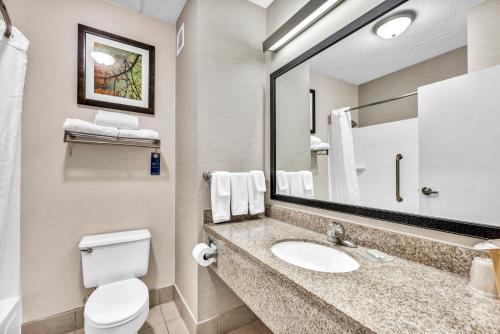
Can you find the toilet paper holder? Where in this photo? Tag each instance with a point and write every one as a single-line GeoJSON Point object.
{"type": "Point", "coordinates": [212, 243]}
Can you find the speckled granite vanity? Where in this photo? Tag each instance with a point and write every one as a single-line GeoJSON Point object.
{"type": "Point", "coordinates": [400, 296]}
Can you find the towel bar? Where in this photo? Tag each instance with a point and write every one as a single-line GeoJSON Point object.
{"type": "Point", "coordinates": [207, 175]}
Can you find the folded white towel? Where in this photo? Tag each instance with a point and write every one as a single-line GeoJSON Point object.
{"type": "Point", "coordinates": [138, 134]}
{"type": "Point", "coordinates": [296, 184]}
{"type": "Point", "coordinates": [282, 186]}
{"type": "Point", "coordinates": [320, 147]}
{"type": "Point", "coordinates": [117, 120]}
{"type": "Point", "coordinates": [77, 125]}
{"type": "Point", "coordinates": [307, 179]}
{"type": "Point", "coordinates": [256, 191]}
{"type": "Point", "coordinates": [220, 192]}
{"type": "Point", "coordinates": [239, 193]}
{"type": "Point", "coordinates": [315, 140]}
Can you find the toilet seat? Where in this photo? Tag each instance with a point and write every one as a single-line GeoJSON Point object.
{"type": "Point", "coordinates": [117, 303]}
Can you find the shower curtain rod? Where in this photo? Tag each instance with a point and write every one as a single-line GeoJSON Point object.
{"type": "Point", "coordinates": [376, 103]}
{"type": "Point", "coordinates": [6, 18]}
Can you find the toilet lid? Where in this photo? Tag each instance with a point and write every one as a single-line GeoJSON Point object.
{"type": "Point", "coordinates": [116, 302]}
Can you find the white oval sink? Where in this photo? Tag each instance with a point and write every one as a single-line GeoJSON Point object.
{"type": "Point", "coordinates": [313, 256]}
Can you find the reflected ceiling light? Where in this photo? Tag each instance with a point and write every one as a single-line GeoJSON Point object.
{"type": "Point", "coordinates": [395, 25]}
{"type": "Point", "coordinates": [300, 21]}
{"type": "Point", "coordinates": [102, 58]}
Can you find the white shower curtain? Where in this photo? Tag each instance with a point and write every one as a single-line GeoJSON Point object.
{"type": "Point", "coordinates": [343, 179]}
{"type": "Point", "coordinates": [13, 60]}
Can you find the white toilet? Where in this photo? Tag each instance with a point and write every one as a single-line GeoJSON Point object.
{"type": "Point", "coordinates": [112, 262]}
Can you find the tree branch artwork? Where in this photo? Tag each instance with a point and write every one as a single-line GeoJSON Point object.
{"type": "Point", "coordinates": [123, 78]}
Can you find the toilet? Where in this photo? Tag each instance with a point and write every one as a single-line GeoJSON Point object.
{"type": "Point", "coordinates": [112, 263]}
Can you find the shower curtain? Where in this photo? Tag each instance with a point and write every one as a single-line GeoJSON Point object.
{"type": "Point", "coordinates": [343, 179]}
{"type": "Point", "coordinates": [13, 60]}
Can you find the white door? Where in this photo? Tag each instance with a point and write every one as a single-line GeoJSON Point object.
{"type": "Point", "coordinates": [459, 147]}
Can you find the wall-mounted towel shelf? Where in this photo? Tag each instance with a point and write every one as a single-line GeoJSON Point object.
{"type": "Point", "coordinates": [87, 138]}
{"type": "Point", "coordinates": [319, 152]}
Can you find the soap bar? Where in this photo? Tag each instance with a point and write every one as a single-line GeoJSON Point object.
{"type": "Point", "coordinates": [375, 255]}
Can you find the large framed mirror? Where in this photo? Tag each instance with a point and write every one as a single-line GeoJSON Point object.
{"type": "Point", "coordinates": [407, 119]}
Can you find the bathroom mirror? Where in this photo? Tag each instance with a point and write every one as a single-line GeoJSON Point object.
{"type": "Point", "coordinates": [406, 119]}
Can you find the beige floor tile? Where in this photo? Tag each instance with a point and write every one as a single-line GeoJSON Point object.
{"type": "Point", "coordinates": [79, 331]}
{"type": "Point", "coordinates": [177, 326]}
{"type": "Point", "coordinates": [235, 319]}
{"type": "Point", "coordinates": [155, 317]}
{"type": "Point", "coordinates": [157, 329]}
{"type": "Point", "coordinates": [248, 329]}
{"type": "Point", "coordinates": [169, 311]}
{"type": "Point", "coordinates": [261, 327]}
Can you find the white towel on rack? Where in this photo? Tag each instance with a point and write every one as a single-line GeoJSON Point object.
{"type": "Point", "coordinates": [77, 125]}
{"type": "Point", "coordinates": [239, 193]}
{"type": "Point", "coordinates": [282, 187]}
{"type": "Point", "coordinates": [220, 192]}
{"type": "Point", "coordinates": [256, 191]}
{"type": "Point", "coordinates": [296, 184]}
{"type": "Point", "coordinates": [307, 179]}
{"type": "Point", "coordinates": [138, 134]}
{"type": "Point", "coordinates": [117, 120]}
{"type": "Point", "coordinates": [320, 147]}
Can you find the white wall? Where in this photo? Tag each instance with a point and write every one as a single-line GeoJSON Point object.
{"type": "Point", "coordinates": [375, 149]}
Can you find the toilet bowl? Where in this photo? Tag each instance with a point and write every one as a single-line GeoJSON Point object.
{"type": "Point", "coordinates": [117, 308]}
{"type": "Point", "coordinates": [111, 263]}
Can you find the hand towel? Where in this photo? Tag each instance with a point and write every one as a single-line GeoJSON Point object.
{"type": "Point", "coordinates": [307, 179]}
{"type": "Point", "coordinates": [256, 191]}
{"type": "Point", "coordinates": [117, 120]}
{"type": "Point", "coordinates": [315, 140]}
{"type": "Point", "coordinates": [138, 134]}
{"type": "Point", "coordinates": [220, 192]}
{"type": "Point", "coordinates": [296, 184]}
{"type": "Point", "coordinates": [320, 147]}
{"type": "Point", "coordinates": [77, 125]}
{"type": "Point", "coordinates": [282, 187]}
{"type": "Point", "coordinates": [239, 193]}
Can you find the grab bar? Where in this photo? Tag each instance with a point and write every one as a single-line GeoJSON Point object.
{"type": "Point", "coordinates": [399, 156]}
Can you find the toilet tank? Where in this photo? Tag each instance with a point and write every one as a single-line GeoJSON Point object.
{"type": "Point", "coordinates": [112, 257]}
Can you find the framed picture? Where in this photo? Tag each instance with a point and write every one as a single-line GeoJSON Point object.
{"type": "Point", "coordinates": [312, 110]}
{"type": "Point", "coordinates": [115, 72]}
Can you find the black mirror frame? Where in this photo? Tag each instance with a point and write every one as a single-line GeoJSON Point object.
{"type": "Point", "coordinates": [440, 224]}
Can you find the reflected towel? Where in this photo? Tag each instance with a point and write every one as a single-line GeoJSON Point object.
{"type": "Point", "coordinates": [117, 120]}
{"type": "Point", "coordinates": [256, 191]}
{"type": "Point", "coordinates": [320, 147]}
{"type": "Point", "coordinates": [239, 193]}
{"type": "Point", "coordinates": [77, 125]}
{"type": "Point", "coordinates": [315, 140]}
{"type": "Point", "coordinates": [307, 179]}
{"type": "Point", "coordinates": [296, 184]}
{"type": "Point", "coordinates": [139, 134]}
{"type": "Point", "coordinates": [282, 187]}
{"type": "Point", "coordinates": [220, 192]}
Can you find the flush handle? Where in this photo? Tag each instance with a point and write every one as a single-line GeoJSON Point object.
{"type": "Point", "coordinates": [87, 250]}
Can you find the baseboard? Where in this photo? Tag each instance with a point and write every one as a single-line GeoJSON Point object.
{"type": "Point", "coordinates": [72, 320]}
{"type": "Point", "coordinates": [220, 324]}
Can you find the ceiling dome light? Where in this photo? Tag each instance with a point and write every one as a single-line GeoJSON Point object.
{"type": "Point", "coordinates": [102, 58]}
{"type": "Point", "coordinates": [394, 25]}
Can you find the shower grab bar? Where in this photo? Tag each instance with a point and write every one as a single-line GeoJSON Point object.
{"type": "Point", "coordinates": [6, 18]}
{"type": "Point", "coordinates": [399, 156]}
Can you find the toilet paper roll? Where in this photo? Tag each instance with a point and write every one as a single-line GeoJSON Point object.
{"type": "Point", "coordinates": [199, 252]}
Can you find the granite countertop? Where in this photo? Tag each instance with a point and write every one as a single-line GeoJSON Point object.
{"type": "Point", "coordinates": [399, 296]}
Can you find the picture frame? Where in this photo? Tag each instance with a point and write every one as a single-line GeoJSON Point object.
{"type": "Point", "coordinates": [115, 72]}
{"type": "Point", "coordinates": [312, 110]}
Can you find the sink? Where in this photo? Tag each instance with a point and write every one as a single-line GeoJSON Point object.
{"type": "Point", "coordinates": [314, 256]}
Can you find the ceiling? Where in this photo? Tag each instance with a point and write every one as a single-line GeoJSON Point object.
{"type": "Point", "coordinates": [439, 27]}
{"type": "Point", "coordinates": [166, 10]}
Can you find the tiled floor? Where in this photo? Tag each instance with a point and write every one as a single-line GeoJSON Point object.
{"type": "Point", "coordinates": [165, 319]}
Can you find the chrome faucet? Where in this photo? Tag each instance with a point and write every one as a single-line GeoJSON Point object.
{"type": "Point", "coordinates": [336, 234]}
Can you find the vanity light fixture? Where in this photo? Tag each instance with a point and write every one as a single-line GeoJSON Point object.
{"type": "Point", "coordinates": [102, 58]}
{"type": "Point", "coordinates": [394, 26]}
{"type": "Point", "coordinates": [300, 21]}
